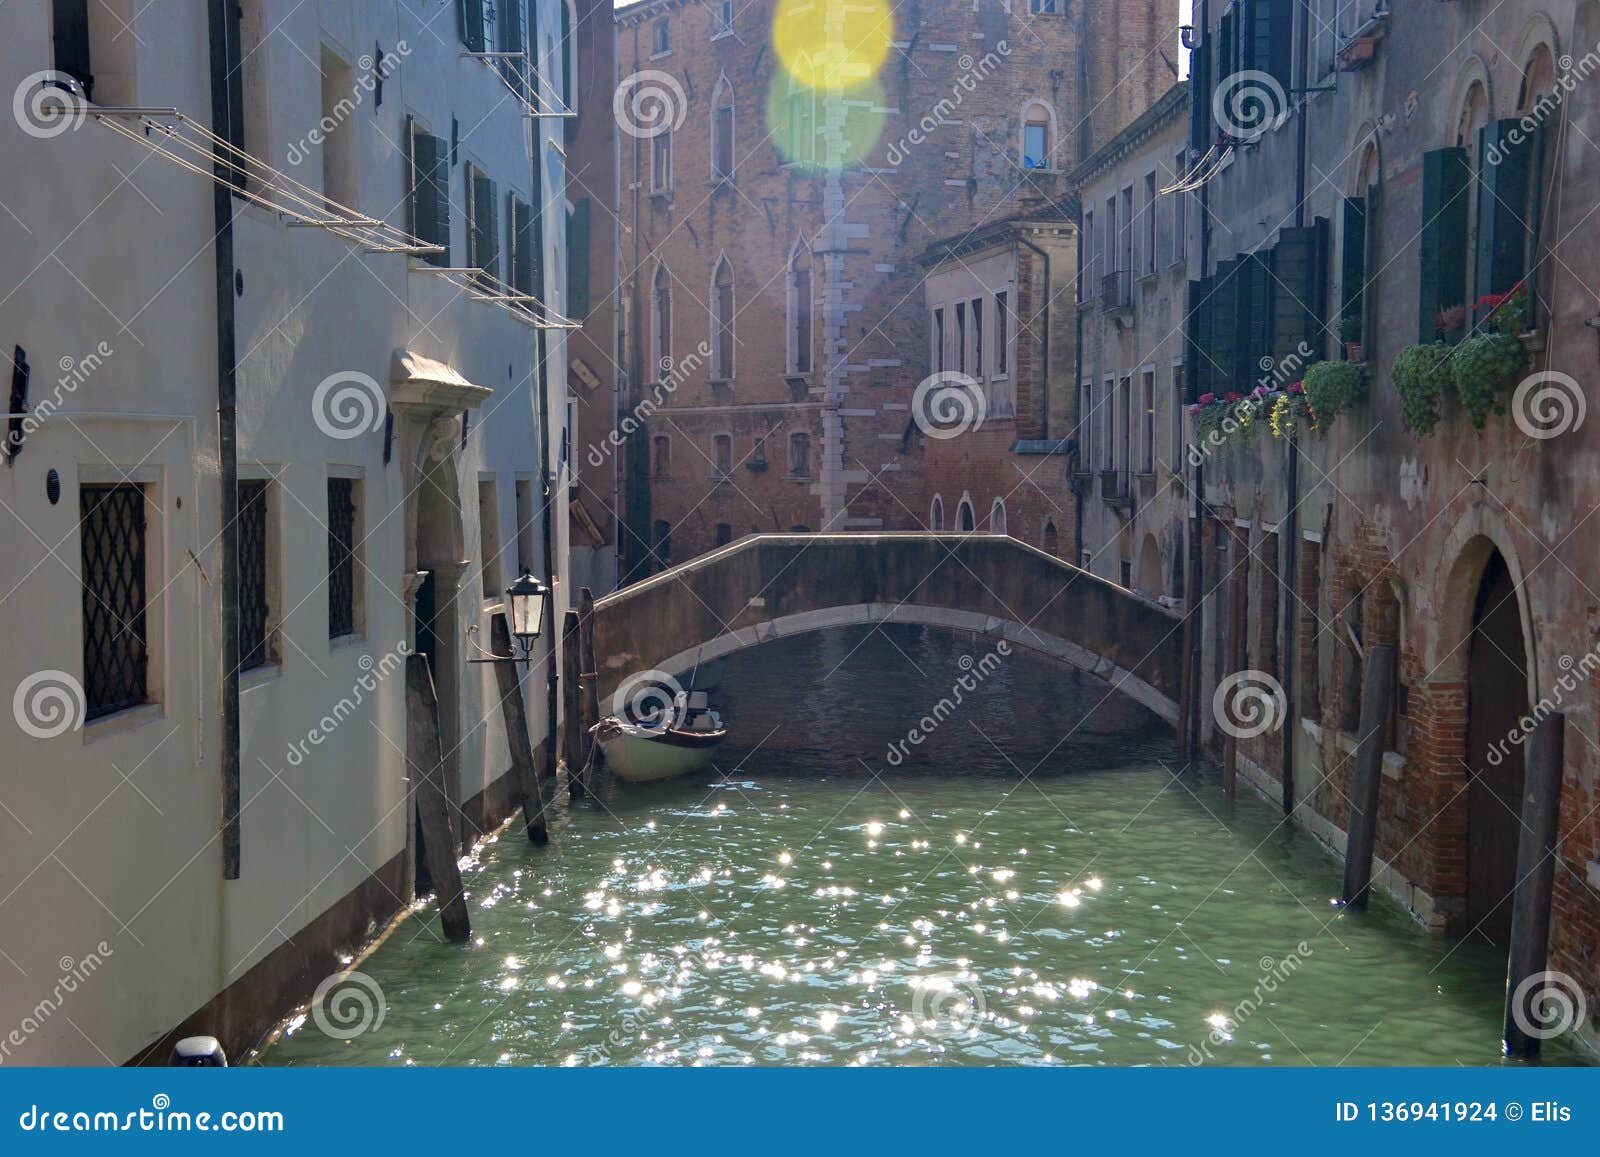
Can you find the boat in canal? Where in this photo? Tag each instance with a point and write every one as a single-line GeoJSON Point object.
{"type": "Point", "coordinates": [672, 744]}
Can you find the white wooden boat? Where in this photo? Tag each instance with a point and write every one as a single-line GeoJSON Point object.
{"type": "Point", "coordinates": [656, 750]}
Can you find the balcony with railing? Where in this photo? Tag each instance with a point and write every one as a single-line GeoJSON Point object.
{"type": "Point", "coordinates": [1116, 292]}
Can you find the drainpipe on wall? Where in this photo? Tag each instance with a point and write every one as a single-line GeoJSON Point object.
{"type": "Point", "coordinates": [227, 444]}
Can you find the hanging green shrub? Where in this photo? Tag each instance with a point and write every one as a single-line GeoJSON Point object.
{"type": "Point", "coordinates": [1420, 374]}
{"type": "Point", "coordinates": [1331, 388]}
{"type": "Point", "coordinates": [1484, 368]}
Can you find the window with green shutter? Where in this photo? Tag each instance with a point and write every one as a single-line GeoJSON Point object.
{"type": "Point", "coordinates": [1265, 42]}
{"type": "Point", "coordinates": [509, 25]}
{"type": "Point", "coordinates": [430, 192]}
{"type": "Point", "coordinates": [1225, 327]}
{"type": "Point", "coordinates": [519, 236]}
{"type": "Point", "coordinates": [1299, 265]}
{"type": "Point", "coordinates": [1353, 263]}
{"type": "Point", "coordinates": [1256, 323]}
{"type": "Point", "coordinates": [578, 260]}
{"type": "Point", "coordinates": [1198, 372]}
{"type": "Point", "coordinates": [470, 19]}
{"type": "Point", "coordinates": [1507, 156]}
{"type": "Point", "coordinates": [1442, 279]}
{"type": "Point", "coordinates": [482, 233]}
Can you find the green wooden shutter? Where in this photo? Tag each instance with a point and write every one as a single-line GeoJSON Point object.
{"type": "Point", "coordinates": [1225, 327]}
{"type": "Point", "coordinates": [567, 57]}
{"type": "Point", "coordinates": [430, 192]}
{"type": "Point", "coordinates": [1353, 259]}
{"type": "Point", "coordinates": [1442, 280]}
{"type": "Point", "coordinates": [1258, 309]}
{"type": "Point", "coordinates": [1266, 43]}
{"type": "Point", "coordinates": [1197, 339]}
{"type": "Point", "coordinates": [470, 14]}
{"type": "Point", "coordinates": [485, 236]}
{"type": "Point", "coordinates": [522, 251]}
{"type": "Point", "coordinates": [1200, 98]}
{"type": "Point", "coordinates": [510, 24]}
{"type": "Point", "coordinates": [578, 260]}
{"type": "Point", "coordinates": [1504, 156]}
{"type": "Point", "coordinates": [1298, 296]}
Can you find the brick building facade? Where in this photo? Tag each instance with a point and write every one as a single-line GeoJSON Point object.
{"type": "Point", "coordinates": [1387, 219]}
{"type": "Point", "coordinates": [797, 212]}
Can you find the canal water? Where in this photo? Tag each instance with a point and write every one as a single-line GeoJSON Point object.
{"type": "Point", "coordinates": [1029, 882]}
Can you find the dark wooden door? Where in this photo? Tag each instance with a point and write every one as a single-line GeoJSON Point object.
{"type": "Point", "coordinates": [1497, 694]}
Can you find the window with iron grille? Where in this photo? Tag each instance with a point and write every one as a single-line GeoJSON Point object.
{"type": "Point", "coordinates": [341, 557]}
{"type": "Point", "coordinates": [255, 634]}
{"type": "Point", "coordinates": [116, 658]}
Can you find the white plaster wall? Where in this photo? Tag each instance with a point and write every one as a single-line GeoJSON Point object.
{"type": "Point", "coordinates": [109, 834]}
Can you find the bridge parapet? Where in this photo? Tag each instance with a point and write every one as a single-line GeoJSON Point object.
{"type": "Point", "coordinates": [768, 586]}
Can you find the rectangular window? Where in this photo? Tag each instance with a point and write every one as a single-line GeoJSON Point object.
{"type": "Point", "coordinates": [800, 455]}
{"type": "Point", "coordinates": [471, 22]}
{"type": "Point", "coordinates": [519, 240]}
{"type": "Point", "coordinates": [961, 337]}
{"type": "Point", "coordinates": [578, 259]}
{"type": "Point", "coordinates": [660, 38]}
{"type": "Point", "coordinates": [510, 24]}
{"type": "Point", "coordinates": [1148, 257]}
{"type": "Point", "coordinates": [1180, 215]}
{"type": "Point", "coordinates": [977, 336]}
{"type": "Point", "coordinates": [1088, 283]}
{"type": "Point", "coordinates": [938, 340]}
{"type": "Point", "coordinates": [256, 643]}
{"type": "Point", "coordinates": [483, 232]}
{"type": "Point", "coordinates": [722, 18]}
{"type": "Point", "coordinates": [116, 657]}
{"type": "Point", "coordinates": [1110, 248]}
{"type": "Point", "coordinates": [1002, 333]}
{"type": "Point", "coordinates": [342, 563]}
{"type": "Point", "coordinates": [70, 39]}
{"type": "Point", "coordinates": [724, 533]}
{"type": "Point", "coordinates": [489, 536]}
{"type": "Point", "coordinates": [723, 446]}
{"type": "Point", "coordinates": [338, 131]}
{"type": "Point", "coordinates": [430, 192]}
{"type": "Point", "coordinates": [1175, 453]}
{"type": "Point", "coordinates": [1086, 425]}
{"type": "Point", "coordinates": [1442, 281]}
{"type": "Point", "coordinates": [1042, 7]}
{"type": "Point", "coordinates": [1125, 220]}
{"type": "Point", "coordinates": [661, 466]}
{"type": "Point", "coordinates": [661, 162]}
{"type": "Point", "coordinates": [1036, 145]}
{"type": "Point", "coordinates": [525, 516]}
{"type": "Point", "coordinates": [1147, 431]}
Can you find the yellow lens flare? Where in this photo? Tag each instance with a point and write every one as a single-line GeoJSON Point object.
{"type": "Point", "coordinates": [832, 43]}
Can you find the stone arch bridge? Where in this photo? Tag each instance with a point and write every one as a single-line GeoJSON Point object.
{"type": "Point", "coordinates": [769, 586]}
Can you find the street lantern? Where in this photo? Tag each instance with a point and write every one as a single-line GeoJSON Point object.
{"type": "Point", "coordinates": [527, 597]}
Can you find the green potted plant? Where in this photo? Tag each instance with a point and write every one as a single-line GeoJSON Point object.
{"type": "Point", "coordinates": [1420, 374]}
{"type": "Point", "coordinates": [1350, 328]}
{"type": "Point", "coordinates": [1484, 367]}
{"type": "Point", "coordinates": [1331, 388]}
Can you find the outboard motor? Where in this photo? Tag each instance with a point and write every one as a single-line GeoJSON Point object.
{"type": "Point", "coordinates": [198, 1052]}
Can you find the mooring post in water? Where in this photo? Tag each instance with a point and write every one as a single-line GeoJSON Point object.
{"type": "Point", "coordinates": [587, 675]}
{"type": "Point", "coordinates": [1526, 1013]}
{"type": "Point", "coordinates": [513, 710]}
{"type": "Point", "coordinates": [1377, 684]}
{"type": "Point", "coordinates": [571, 705]}
{"type": "Point", "coordinates": [423, 753]}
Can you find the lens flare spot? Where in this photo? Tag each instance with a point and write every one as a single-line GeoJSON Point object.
{"type": "Point", "coordinates": [832, 43]}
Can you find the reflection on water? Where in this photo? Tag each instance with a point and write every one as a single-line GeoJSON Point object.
{"type": "Point", "coordinates": [1031, 885]}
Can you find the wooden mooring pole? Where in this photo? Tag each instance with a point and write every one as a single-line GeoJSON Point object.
{"type": "Point", "coordinates": [424, 755]}
{"type": "Point", "coordinates": [513, 710]}
{"type": "Point", "coordinates": [571, 705]}
{"type": "Point", "coordinates": [588, 677]}
{"type": "Point", "coordinates": [1377, 685]}
{"type": "Point", "coordinates": [1526, 1013]}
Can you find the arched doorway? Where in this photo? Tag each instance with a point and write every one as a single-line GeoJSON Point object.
{"type": "Point", "coordinates": [1497, 696]}
{"type": "Point", "coordinates": [965, 521]}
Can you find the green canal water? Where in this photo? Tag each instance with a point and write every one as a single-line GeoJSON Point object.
{"type": "Point", "coordinates": [1031, 884]}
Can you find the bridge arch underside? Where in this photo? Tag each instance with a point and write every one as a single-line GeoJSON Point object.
{"type": "Point", "coordinates": [987, 627]}
{"type": "Point", "coordinates": [766, 587]}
